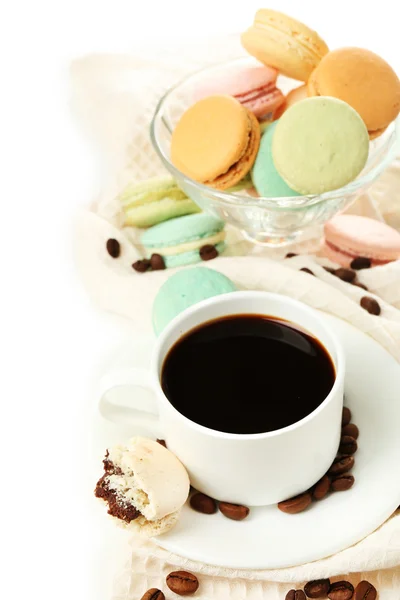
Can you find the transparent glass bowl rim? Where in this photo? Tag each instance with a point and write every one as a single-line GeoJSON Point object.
{"type": "Point", "coordinates": [278, 203]}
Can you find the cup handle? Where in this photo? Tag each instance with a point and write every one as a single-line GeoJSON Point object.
{"type": "Point", "coordinates": [123, 414]}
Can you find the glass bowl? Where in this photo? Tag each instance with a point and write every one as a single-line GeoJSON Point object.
{"type": "Point", "coordinates": [269, 221]}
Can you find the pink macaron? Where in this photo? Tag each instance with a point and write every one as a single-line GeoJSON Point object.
{"type": "Point", "coordinates": [254, 87]}
{"type": "Point", "coordinates": [350, 236]}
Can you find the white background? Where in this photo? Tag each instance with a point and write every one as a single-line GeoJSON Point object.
{"type": "Point", "coordinates": [52, 339]}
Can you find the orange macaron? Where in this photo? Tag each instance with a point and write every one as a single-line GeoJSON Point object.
{"type": "Point", "coordinates": [216, 141]}
{"type": "Point", "coordinates": [362, 79]}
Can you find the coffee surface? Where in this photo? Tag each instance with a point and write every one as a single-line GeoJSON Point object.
{"type": "Point", "coordinates": [247, 374]}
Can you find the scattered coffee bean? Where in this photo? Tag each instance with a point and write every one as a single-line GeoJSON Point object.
{"type": "Point", "coordinates": [162, 442]}
{"type": "Point", "coordinates": [290, 254]}
{"type": "Point", "coordinates": [361, 262]}
{"type": "Point", "coordinates": [296, 504]}
{"type": "Point", "coordinates": [141, 266]}
{"type": "Point", "coordinates": [346, 416]}
{"type": "Point", "coordinates": [318, 588]}
{"type": "Point", "coordinates": [348, 445]}
{"type": "Point", "coordinates": [153, 594]}
{"type": "Point", "coordinates": [182, 583]}
{"type": "Point", "coordinates": [365, 591]}
{"type": "Point", "coordinates": [341, 465]}
{"type": "Point", "coordinates": [113, 248]}
{"type": "Point", "coordinates": [351, 429]}
{"type": "Point", "coordinates": [347, 275]}
{"type": "Point", "coordinates": [342, 483]}
{"type": "Point", "coordinates": [203, 504]}
{"type": "Point", "coordinates": [208, 252]}
{"type": "Point", "coordinates": [306, 270]}
{"type": "Point", "coordinates": [330, 270]}
{"type": "Point", "coordinates": [341, 590]}
{"type": "Point", "coordinates": [157, 262]}
{"type": "Point", "coordinates": [320, 491]}
{"type": "Point", "coordinates": [295, 595]}
{"type": "Point", "coordinates": [360, 285]}
{"type": "Point", "coordinates": [370, 305]}
{"type": "Point", "coordinates": [236, 512]}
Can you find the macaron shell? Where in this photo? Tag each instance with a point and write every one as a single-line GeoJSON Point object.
{"type": "Point", "coordinates": [149, 214]}
{"type": "Point", "coordinates": [362, 236]}
{"type": "Point", "coordinates": [181, 230]}
{"type": "Point", "coordinates": [210, 137]}
{"type": "Point", "coordinates": [362, 79]}
{"type": "Point", "coordinates": [236, 82]}
{"type": "Point", "coordinates": [264, 103]}
{"type": "Point", "coordinates": [344, 260]}
{"type": "Point", "coordinates": [320, 144]}
{"type": "Point", "coordinates": [277, 40]}
{"type": "Point", "coordinates": [188, 258]}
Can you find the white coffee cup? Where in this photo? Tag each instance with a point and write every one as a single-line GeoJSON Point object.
{"type": "Point", "coordinates": [252, 469]}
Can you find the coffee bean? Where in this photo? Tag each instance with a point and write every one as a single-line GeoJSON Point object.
{"type": "Point", "coordinates": [330, 270]}
{"type": "Point", "coordinates": [113, 248]}
{"type": "Point", "coordinates": [317, 588]}
{"type": "Point", "coordinates": [342, 483]}
{"type": "Point", "coordinates": [203, 504]}
{"type": "Point", "coordinates": [162, 442]}
{"type": "Point", "coordinates": [141, 266]}
{"type": "Point", "coordinates": [153, 594]}
{"type": "Point", "coordinates": [341, 590]}
{"type": "Point", "coordinates": [346, 416]}
{"type": "Point", "coordinates": [341, 465]}
{"type": "Point", "coordinates": [296, 504]}
{"type": "Point", "coordinates": [306, 270]}
{"type": "Point", "coordinates": [360, 285]}
{"type": "Point", "coordinates": [208, 252]}
{"type": "Point", "coordinates": [157, 262]}
{"type": "Point", "coordinates": [321, 489]}
{"type": "Point", "coordinates": [352, 430]}
{"type": "Point", "coordinates": [370, 305]}
{"type": "Point", "coordinates": [290, 254]}
{"type": "Point", "coordinates": [361, 262]}
{"type": "Point", "coordinates": [365, 591]}
{"type": "Point", "coordinates": [347, 275]}
{"type": "Point", "coordinates": [348, 445]}
{"type": "Point", "coordinates": [295, 595]}
{"type": "Point", "coordinates": [182, 583]}
{"type": "Point", "coordinates": [236, 512]}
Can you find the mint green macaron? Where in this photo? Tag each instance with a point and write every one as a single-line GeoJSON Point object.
{"type": "Point", "coordinates": [320, 144]}
{"type": "Point", "coordinates": [179, 241]}
{"type": "Point", "coordinates": [185, 288]}
{"type": "Point", "coordinates": [266, 178]}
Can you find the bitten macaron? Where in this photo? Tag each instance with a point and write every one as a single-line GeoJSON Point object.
{"type": "Point", "coordinates": [348, 237]}
{"type": "Point", "coordinates": [216, 141]}
{"type": "Point", "coordinates": [185, 288]}
{"type": "Point", "coordinates": [280, 41]}
{"type": "Point", "coordinates": [185, 240]}
{"type": "Point", "coordinates": [362, 79]}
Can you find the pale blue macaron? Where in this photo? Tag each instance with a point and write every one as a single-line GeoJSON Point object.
{"type": "Point", "coordinates": [185, 288]}
{"type": "Point", "coordinates": [266, 178]}
{"type": "Point", "coordinates": [180, 240]}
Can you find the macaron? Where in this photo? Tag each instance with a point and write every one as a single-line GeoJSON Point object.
{"type": "Point", "coordinates": [266, 178]}
{"type": "Point", "coordinates": [216, 141]}
{"type": "Point", "coordinates": [254, 87]}
{"type": "Point", "coordinates": [185, 240]}
{"type": "Point", "coordinates": [320, 144]}
{"type": "Point", "coordinates": [150, 202]}
{"type": "Point", "coordinates": [351, 236]}
{"type": "Point", "coordinates": [296, 95]}
{"type": "Point", "coordinates": [185, 288]}
{"type": "Point", "coordinates": [362, 79]}
{"type": "Point", "coordinates": [280, 41]}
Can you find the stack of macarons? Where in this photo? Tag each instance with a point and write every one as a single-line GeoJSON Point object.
{"type": "Point", "coordinates": [315, 140]}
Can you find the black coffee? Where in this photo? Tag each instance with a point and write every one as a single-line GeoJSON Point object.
{"type": "Point", "coordinates": [247, 374]}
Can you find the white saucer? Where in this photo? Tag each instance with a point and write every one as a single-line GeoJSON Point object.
{"type": "Point", "coordinates": [269, 538]}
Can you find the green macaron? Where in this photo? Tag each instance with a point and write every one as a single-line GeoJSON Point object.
{"type": "Point", "coordinates": [320, 144]}
{"type": "Point", "coordinates": [185, 288]}
{"type": "Point", "coordinates": [266, 178]}
{"type": "Point", "coordinates": [181, 241]}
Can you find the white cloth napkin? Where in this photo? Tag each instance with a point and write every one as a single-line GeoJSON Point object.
{"type": "Point", "coordinates": [114, 98]}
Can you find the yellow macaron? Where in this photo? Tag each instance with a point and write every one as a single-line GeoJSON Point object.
{"type": "Point", "coordinates": [280, 41]}
{"type": "Point", "coordinates": [216, 141]}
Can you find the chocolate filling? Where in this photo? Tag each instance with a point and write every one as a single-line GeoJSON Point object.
{"type": "Point", "coordinates": [117, 506]}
